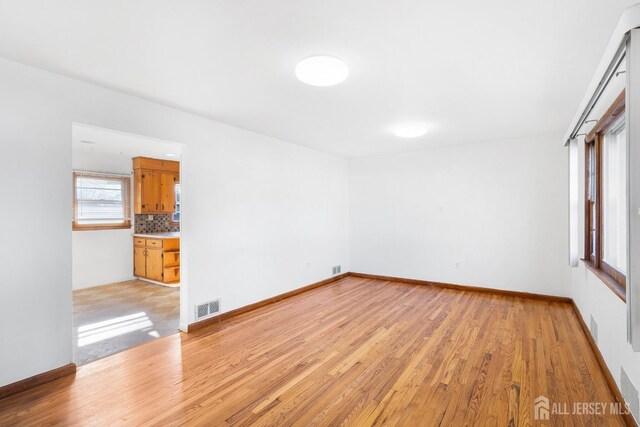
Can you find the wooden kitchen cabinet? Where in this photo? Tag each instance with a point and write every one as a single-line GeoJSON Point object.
{"type": "Point", "coordinates": [139, 261]}
{"type": "Point", "coordinates": [155, 269]}
{"type": "Point", "coordinates": [150, 194]}
{"type": "Point", "coordinates": [168, 181]}
{"type": "Point", "coordinates": [154, 185]}
{"type": "Point", "coordinates": [157, 259]}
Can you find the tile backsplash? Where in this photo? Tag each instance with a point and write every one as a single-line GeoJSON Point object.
{"type": "Point", "coordinates": [161, 223]}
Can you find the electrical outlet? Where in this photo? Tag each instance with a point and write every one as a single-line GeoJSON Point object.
{"type": "Point", "coordinates": [336, 269]}
{"type": "Point", "coordinates": [149, 217]}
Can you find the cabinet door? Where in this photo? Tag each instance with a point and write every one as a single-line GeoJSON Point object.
{"type": "Point", "coordinates": [168, 191]}
{"type": "Point", "coordinates": [150, 191]}
{"type": "Point", "coordinates": [139, 261]}
{"type": "Point", "coordinates": [155, 268]}
{"type": "Point", "coordinates": [148, 204]}
{"type": "Point", "coordinates": [137, 191]}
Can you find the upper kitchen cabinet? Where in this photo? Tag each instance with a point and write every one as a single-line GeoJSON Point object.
{"type": "Point", "coordinates": [155, 185]}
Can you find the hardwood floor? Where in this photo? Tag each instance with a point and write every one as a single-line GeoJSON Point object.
{"type": "Point", "coordinates": [354, 352]}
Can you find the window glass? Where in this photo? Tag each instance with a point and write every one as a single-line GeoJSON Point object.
{"type": "Point", "coordinates": [176, 215]}
{"type": "Point", "coordinates": [592, 200]}
{"type": "Point", "coordinates": [101, 199]}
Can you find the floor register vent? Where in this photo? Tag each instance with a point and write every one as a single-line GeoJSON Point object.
{"type": "Point", "coordinates": [630, 394]}
{"type": "Point", "coordinates": [594, 329]}
{"type": "Point", "coordinates": [207, 309]}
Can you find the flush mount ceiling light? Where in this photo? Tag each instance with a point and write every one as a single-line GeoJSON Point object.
{"type": "Point", "coordinates": [322, 70]}
{"type": "Point", "coordinates": [87, 142]}
{"type": "Point", "coordinates": [410, 131]}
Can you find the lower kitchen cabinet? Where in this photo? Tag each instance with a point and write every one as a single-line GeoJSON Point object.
{"type": "Point", "coordinates": [157, 259]}
{"type": "Point", "coordinates": [139, 261]}
{"type": "Point", "coordinates": [154, 264]}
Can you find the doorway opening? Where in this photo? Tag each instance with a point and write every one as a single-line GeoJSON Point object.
{"type": "Point", "coordinates": [126, 240]}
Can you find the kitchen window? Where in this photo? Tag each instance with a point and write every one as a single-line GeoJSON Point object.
{"type": "Point", "coordinates": [101, 201]}
{"type": "Point", "coordinates": [605, 198]}
{"type": "Point", "coordinates": [175, 217]}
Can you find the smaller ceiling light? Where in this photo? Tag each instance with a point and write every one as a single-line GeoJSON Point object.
{"type": "Point", "coordinates": [322, 70]}
{"type": "Point", "coordinates": [411, 131]}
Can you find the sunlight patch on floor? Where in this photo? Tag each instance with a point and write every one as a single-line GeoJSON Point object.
{"type": "Point", "coordinates": [99, 331]}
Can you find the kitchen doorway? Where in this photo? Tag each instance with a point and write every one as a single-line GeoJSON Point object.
{"type": "Point", "coordinates": [126, 242]}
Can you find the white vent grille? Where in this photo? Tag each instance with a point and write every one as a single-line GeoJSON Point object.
{"type": "Point", "coordinates": [337, 269]}
{"type": "Point", "coordinates": [207, 309]}
{"type": "Point", "coordinates": [594, 329]}
{"type": "Point", "coordinates": [630, 394]}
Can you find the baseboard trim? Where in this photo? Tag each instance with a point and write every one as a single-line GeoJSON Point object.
{"type": "Point", "coordinates": [238, 311]}
{"type": "Point", "coordinates": [611, 382]}
{"type": "Point", "coordinates": [37, 380]}
{"type": "Point", "coordinates": [518, 294]}
{"type": "Point", "coordinates": [213, 320]}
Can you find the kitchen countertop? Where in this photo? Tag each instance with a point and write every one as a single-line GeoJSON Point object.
{"type": "Point", "coordinates": [171, 235]}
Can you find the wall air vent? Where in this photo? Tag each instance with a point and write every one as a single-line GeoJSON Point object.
{"type": "Point", "coordinates": [594, 329]}
{"type": "Point", "coordinates": [630, 394]}
{"type": "Point", "coordinates": [337, 269]}
{"type": "Point", "coordinates": [207, 309]}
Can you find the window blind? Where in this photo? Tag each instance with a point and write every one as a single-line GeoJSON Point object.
{"type": "Point", "coordinates": [101, 200]}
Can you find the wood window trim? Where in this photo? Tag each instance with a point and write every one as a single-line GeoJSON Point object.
{"type": "Point", "coordinates": [608, 280]}
{"type": "Point", "coordinates": [593, 211]}
{"type": "Point", "coordinates": [611, 277]}
{"type": "Point", "coordinates": [93, 227]}
{"type": "Point", "coordinates": [126, 224]}
{"type": "Point", "coordinates": [610, 116]}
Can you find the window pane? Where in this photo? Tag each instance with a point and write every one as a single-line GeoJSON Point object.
{"type": "Point", "coordinates": [594, 236]}
{"type": "Point", "coordinates": [100, 200]}
{"type": "Point", "coordinates": [176, 215]}
{"type": "Point", "coordinates": [99, 194]}
{"type": "Point", "coordinates": [592, 172]}
{"type": "Point", "coordinates": [614, 202]}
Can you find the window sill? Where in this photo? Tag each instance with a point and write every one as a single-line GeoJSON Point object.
{"type": "Point", "coordinates": [101, 227]}
{"type": "Point", "coordinates": [609, 281]}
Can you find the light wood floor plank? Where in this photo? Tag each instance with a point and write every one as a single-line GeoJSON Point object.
{"type": "Point", "coordinates": [354, 352]}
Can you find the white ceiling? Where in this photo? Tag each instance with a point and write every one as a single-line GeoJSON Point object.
{"type": "Point", "coordinates": [86, 138]}
{"type": "Point", "coordinates": [472, 70]}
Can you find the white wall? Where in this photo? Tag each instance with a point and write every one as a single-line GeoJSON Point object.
{"type": "Point", "coordinates": [100, 257]}
{"type": "Point", "coordinates": [261, 216]}
{"type": "Point", "coordinates": [594, 298]}
{"type": "Point", "coordinates": [491, 215]}
{"type": "Point", "coordinates": [590, 294]}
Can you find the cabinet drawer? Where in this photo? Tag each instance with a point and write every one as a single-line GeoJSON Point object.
{"type": "Point", "coordinates": [154, 243]}
{"type": "Point", "coordinates": [139, 241]}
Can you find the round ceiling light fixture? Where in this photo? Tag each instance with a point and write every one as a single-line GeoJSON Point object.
{"type": "Point", "coordinates": [322, 70]}
{"type": "Point", "coordinates": [410, 131]}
